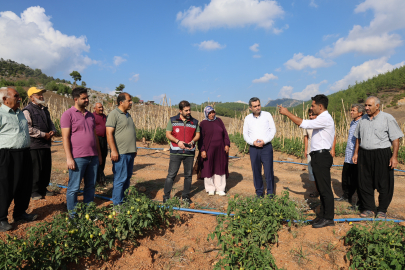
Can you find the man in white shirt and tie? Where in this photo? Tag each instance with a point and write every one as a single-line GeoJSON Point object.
{"type": "Point", "coordinates": [321, 159]}
{"type": "Point", "coordinates": [258, 131]}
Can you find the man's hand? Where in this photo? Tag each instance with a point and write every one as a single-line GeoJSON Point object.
{"type": "Point", "coordinates": [47, 136]}
{"type": "Point", "coordinates": [332, 152]}
{"type": "Point", "coordinates": [51, 133]}
{"type": "Point", "coordinates": [100, 160]}
{"type": "Point", "coordinates": [354, 159]}
{"type": "Point", "coordinates": [204, 154]}
{"type": "Point", "coordinates": [71, 164]}
{"type": "Point", "coordinates": [181, 145]}
{"type": "Point", "coordinates": [393, 162]}
{"type": "Point", "coordinates": [114, 156]}
{"type": "Point", "coordinates": [258, 143]}
{"type": "Point", "coordinates": [136, 153]}
{"type": "Point", "coordinates": [282, 110]}
{"type": "Point", "coordinates": [226, 149]}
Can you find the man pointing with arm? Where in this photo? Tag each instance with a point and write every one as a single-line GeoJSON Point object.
{"type": "Point", "coordinates": [321, 159]}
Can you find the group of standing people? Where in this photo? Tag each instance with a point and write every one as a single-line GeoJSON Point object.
{"type": "Point", "coordinates": [25, 156]}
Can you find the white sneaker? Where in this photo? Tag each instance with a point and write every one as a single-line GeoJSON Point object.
{"type": "Point", "coordinates": [221, 193]}
{"type": "Point", "coordinates": [211, 193]}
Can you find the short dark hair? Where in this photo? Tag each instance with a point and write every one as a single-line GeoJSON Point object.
{"type": "Point", "coordinates": [253, 99]}
{"type": "Point", "coordinates": [321, 99]}
{"type": "Point", "coordinates": [76, 92]}
{"type": "Point", "coordinates": [310, 111]}
{"type": "Point", "coordinates": [183, 104]}
{"type": "Point", "coordinates": [121, 97]}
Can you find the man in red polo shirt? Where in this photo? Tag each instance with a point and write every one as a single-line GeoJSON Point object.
{"type": "Point", "coordinates": [101, 119]}
{"type": "Point", "coordinates": [81, 148]}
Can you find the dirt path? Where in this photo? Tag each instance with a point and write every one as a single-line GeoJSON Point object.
{"type": "Point", "coordinates": [185, 245]}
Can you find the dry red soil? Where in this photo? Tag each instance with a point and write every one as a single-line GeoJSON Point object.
{"type": "Point", "coordinates": [184, 244]}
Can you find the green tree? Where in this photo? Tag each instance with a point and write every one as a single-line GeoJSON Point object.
{"type": "Point", "coordinates": [135, 99]}
{"type": "Point", "coordinates": [119, 89]}
{"type": "Point", "coordinates": [83, 83]}
{"type": "Point", "coordinates": [22, 93]}
{"type": "Point", "coordinates": [76, 76]}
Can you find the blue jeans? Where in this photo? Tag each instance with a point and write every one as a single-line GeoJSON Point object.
{"type": "Point", "coordinates": [122, 170]}
{"type": "Point", "coordinates": [86, 167]}
{"type": "Point", "coordinates": [262, 156]}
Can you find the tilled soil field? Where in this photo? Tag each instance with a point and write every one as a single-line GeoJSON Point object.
{"type": "Point", "coordinates": [184, 244]}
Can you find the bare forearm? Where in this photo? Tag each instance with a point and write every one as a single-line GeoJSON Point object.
{"type": "Point", "coordinates": [395, 148]}
{"type": "Point", "coordinates": [111, 142]}
{"type": "Point", "coordinates": [67, 147]}
{"type": "Point", "coordinates": [171, 137]}
{"type": "Point", "coordinates": [356, 148]}
{"type": "Point", "coordinates": [294, 118]}
{"type": "Point", "coordinates": [196, 137]}
{"type": "Point", "coordinates": [97, 143]}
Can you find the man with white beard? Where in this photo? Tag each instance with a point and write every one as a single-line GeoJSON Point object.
{"type": "Point", "coordinates": [41, 130]}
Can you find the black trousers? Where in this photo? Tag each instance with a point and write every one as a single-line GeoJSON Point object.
{"type": "Point", "coordinates": [375, 173]}
{"type": "Point", "coordinates": [41, 169]}
{"type": "Point", "coordinates": [321, 164]}
{"type": "Point", "coordinates": [104, 151]}
{"type": "Point", "coordinates": [174, 165]}
{"type": "Point", "coordinates": [15, 181]}
{"type": "Point", "coordinates": [349, 180]}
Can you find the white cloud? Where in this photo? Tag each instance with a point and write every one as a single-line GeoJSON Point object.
{"type": "Point", "coordinates": [299, 61]}
{"type": "Point", "coordinates": [219, 96]}
{"type": "Point", "coordinates": [376, 38]}
{"type": "Point", "coordinates": [240, 101]}
{"type": "Point", "coordinates": [365, 71]}
{"type": "Point", "coordinates": [313, 4]}
{"type": "Point", "coordinates": [231, 13]}
{"type": "Point", "coordinates": [280, 30]}
{"type": "Point", "coordinates": [326, 37]}
{"type": "Point", "coordinates": [118, 60]}
{"type": "Point", "coordinates": [210, 45]}
{"type": "Point", "coordinates": [158, 98]}
{"type": "Point", "coordinates": [309, 91]}
{"type": "Point", "coordinates": [285, 92]}
{"type": "Point", "coordinates": [257, 56]}
{"type": "Point", "coordinates": [32, 40]}
{"type": "Point", "coordinates": [134, 78]}
{"type": "Point", "coordinates": [267, 77]}
{"type": "Point", "coordinates": [278, 69]}
{"type": "Point", "coordinates": [254, 47]}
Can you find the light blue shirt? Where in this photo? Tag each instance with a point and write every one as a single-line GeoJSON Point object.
{"type": "Point", "coordinates": [351, 142]}
{"type": "Point", "coordinates": [14, 132]}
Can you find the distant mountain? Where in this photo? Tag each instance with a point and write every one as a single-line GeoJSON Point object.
{"type": "Point", "coordinates": [286, 102]}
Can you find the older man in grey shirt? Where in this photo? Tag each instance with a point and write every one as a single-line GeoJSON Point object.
{"type": "Point", "coordinates": [375, 133]}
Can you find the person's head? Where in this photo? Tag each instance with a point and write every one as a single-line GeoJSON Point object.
{"type": "Point", "coordinates": [98, 108]}
{"type": "Point", "coordinates": [80, 97]}
{"type": "Point", "coordinates": [209, 113]}
{"type": "Point", "coordinates": [185, 109]}
{"type": "Point", "coordinates": [357, 111]}
{"type": "Point", "coordinates": [36, 95]}
{"type": "Point", "coordinates": [311, 114]}
{"type": "Point", "coordinates": [124, 101]}
{"type": "Point", "coordinates": [319, 104]}
{"type": "Point", "coordinates": [254, 105]}
{"type": "Point", "coordinates": [372, 105]}
{"type": "Point", "coordinates": [10, 98]}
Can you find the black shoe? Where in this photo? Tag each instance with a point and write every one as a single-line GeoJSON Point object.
{"type": "Point", "coordinates": [315, 220]}
{"type": "Point", "coordinates": [342, 199]}
{"type": "Point", "coordinates": [36, 196]}
{"type": "Point", "coordinates": [5, 226]}
{"type": "Point", "coordinates": [26, 217]}
{"type": "Point", "coordinates": [187, 200]}
{"type": "Point", "coordinates": [323, 223]}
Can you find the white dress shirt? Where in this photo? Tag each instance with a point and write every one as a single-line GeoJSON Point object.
{"type": "Point", "coordinates": [261, 127]}
{"type": "Point", "coordinates": [324, 131]}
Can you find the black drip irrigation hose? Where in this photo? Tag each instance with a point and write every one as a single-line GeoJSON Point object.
{"type": "Point", "coordinates": [225, 214]}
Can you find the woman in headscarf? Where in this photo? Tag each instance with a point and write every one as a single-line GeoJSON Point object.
{"type": "Point", "coordinates": [214, 148]}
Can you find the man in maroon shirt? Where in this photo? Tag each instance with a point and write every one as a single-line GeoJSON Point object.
{"type": "Point", "coordinates": [102, 140]}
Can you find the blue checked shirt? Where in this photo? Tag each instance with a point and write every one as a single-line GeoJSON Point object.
{"type": "Point", "coordinates": [351, 142]}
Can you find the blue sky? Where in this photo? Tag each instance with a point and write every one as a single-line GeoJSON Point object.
{"type": "Point", "coordinates": [221, 50]}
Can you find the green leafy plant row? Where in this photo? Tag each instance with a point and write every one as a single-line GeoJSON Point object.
{"type": "Point", "coordinates": [92, 230]}
{"type": "Point", "coordinates": [379, 245]}
{"type": "Point", "coordinates": [158, 135]}
{"type": "Point", "coordinates": [246, 237]}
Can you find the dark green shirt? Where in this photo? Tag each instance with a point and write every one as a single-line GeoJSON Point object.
{"type": "Point", "coordinates": [124, 133]}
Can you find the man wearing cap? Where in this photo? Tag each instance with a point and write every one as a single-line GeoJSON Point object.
{"type": "Point", "coordinates": [101, 119]}
{"type": "Point", "coordinates": [41, 130]}
{"type": "Point", "coordinates": [15, 160]}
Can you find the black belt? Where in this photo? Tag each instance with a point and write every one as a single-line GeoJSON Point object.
{"type": "Point", "coordinates": [318, 152]}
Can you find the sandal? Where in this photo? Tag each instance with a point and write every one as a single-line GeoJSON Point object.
{"type": "Point", "coordinates": [381, 215]}
{"type": "Point", "coordinates": [367, 214]}
{"type": "Point", "coordinates": [314, 195]}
